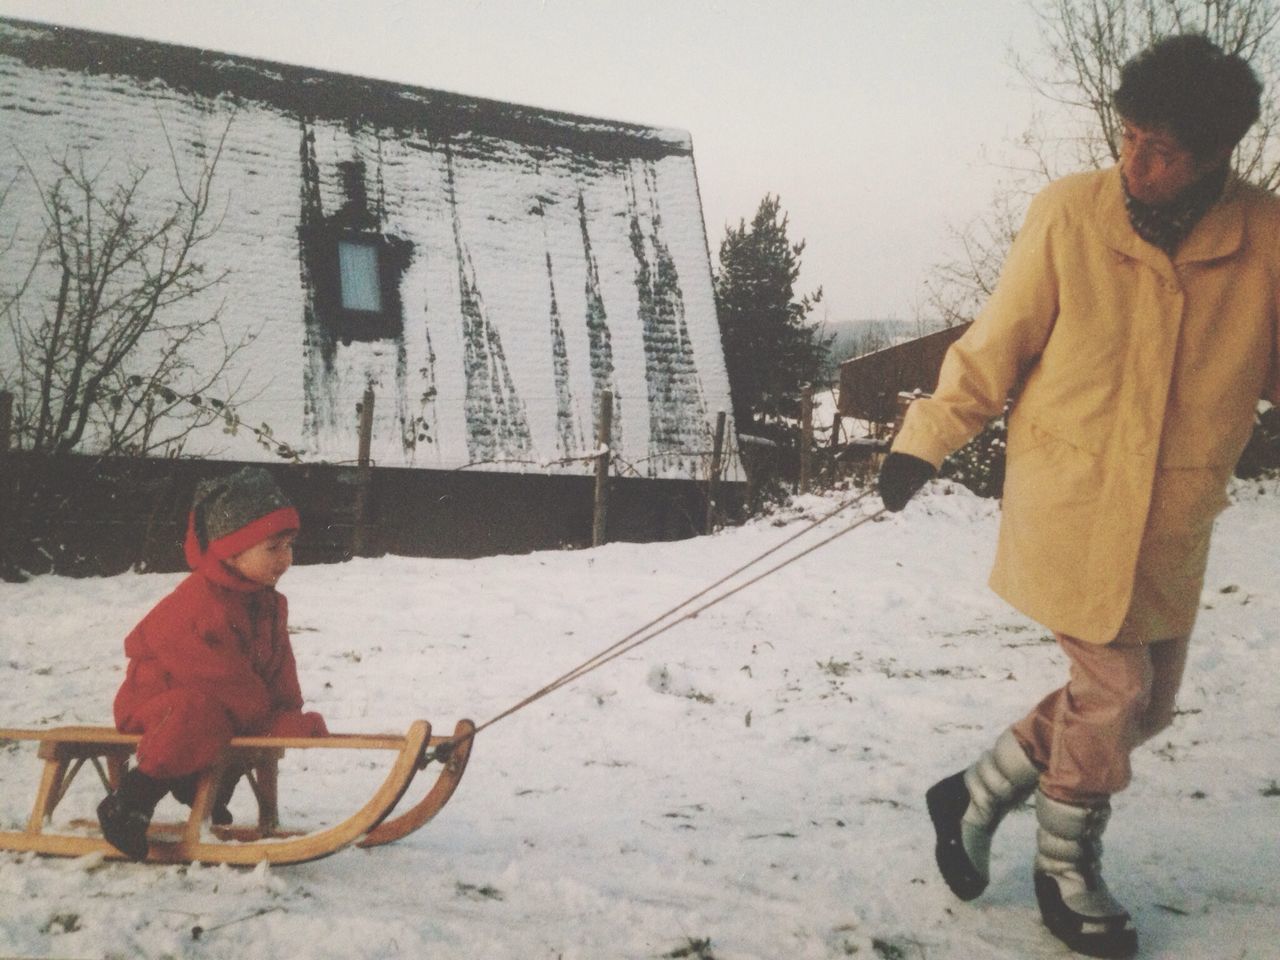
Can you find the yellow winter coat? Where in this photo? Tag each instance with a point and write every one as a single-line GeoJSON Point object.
{"type": "Point", "coordinates": [1137, 381]}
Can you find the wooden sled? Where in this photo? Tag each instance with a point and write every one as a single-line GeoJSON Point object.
{"type": "Point", "coordinates": [65, 750]}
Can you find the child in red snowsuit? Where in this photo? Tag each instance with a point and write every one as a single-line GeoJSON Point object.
{"type": "Point", "coordinates": [212, 660]}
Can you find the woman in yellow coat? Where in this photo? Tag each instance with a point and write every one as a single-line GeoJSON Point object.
{"type": "Point", "coordinates": [1137, 323]}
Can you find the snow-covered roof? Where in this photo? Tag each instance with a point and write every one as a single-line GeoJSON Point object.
{"type": "Point", "coordinates": [327, 95]}
{"type": "Point", "coordinates": [541, 258]}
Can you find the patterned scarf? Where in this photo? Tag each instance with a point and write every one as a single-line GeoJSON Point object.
{"type": "Point", "coordinates": [1167, 225]}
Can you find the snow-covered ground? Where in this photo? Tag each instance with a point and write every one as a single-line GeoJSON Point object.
{"type": "Point", "coordinates": [746, 785]}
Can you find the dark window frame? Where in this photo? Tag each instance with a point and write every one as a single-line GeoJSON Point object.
{"type": "Point", "coordinates": [344, 323]}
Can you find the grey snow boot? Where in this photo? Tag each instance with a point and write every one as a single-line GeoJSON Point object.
{"type": "Point", "coordinates": [1075, 903]}
{"type": "Point", "coordinates": [966, 808]}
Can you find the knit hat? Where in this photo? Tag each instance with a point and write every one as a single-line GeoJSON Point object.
{"type": "Point", "coordinates": [230, 514]}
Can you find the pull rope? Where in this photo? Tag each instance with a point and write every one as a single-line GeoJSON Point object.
{"type": "Point", "coordinates": [638, 636]}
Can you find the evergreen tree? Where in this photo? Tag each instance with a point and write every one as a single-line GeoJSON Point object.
{"type": "Point", "coordinates": [770, 350]}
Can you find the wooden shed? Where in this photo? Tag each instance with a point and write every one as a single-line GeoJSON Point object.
{"type": "Point", "coordinates": [870, 384]}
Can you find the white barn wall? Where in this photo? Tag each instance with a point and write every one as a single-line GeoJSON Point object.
{"type": "Point", "coordinates": [477, 208]}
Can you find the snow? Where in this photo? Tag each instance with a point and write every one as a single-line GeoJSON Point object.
{"type": "Point", "coordinates": [748, 784]}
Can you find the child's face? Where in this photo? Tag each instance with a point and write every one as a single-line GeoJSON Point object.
{"type": "Point", "coordinates": [266, 562]}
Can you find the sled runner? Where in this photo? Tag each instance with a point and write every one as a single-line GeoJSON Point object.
{"type": "Point", "coordinates": [65, 750]}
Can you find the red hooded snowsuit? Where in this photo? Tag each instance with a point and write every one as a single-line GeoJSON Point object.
{"type": "Point", "coordinates": [210, 661]}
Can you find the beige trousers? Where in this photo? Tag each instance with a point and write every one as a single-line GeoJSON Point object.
{"type": "Point", "coordinates": [1116, 697]}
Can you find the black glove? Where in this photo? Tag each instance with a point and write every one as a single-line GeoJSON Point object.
{"type": "Point", "coordinates": [901, 478]}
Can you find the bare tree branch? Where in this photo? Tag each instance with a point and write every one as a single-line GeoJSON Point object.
{"type": "Point", "coordinates": [108, 361]}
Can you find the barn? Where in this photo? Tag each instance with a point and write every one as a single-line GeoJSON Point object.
{"type": "Point", "coordinates": [488, 272]}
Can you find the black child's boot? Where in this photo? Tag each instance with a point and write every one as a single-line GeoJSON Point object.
{"type": "Point", "coordinates": [125, 814]}
{"type": "Point", "coordinates": [184, 791]}
{"type": "Point", "coordinates": [221, 814]}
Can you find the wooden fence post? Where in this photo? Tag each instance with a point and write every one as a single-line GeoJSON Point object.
{"type": "Point", "coordinates": [6, 420]}
{"type": "Point", "coordinates": [604, 437]}
{"type": "Point", "coordinates": [837, 423]}
{"type": "Point", "coordinates": [364, 477]}
{"type": "Point", "coordinates": [8, 488]}
{"type": "Point", "coordinates": [903, 401]}
{"type": "Point", "coordinates": [713, 482]}
{"type": "Point", "coordinates": [366, 427]}
{"type": "Point", "coordinates": [153, 545]}
{"type": "Point", "coordinates": [806, 437]}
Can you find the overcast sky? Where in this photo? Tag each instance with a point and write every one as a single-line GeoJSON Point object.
{"type": "Point", "coordinates": [874, 120]}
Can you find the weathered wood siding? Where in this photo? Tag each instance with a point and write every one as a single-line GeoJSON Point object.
{"type": "Point", "coordinates": [870, 384]}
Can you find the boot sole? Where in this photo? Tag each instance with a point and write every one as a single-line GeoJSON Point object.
{"type": "Point", "coordinates": [130, 842]}
{"type": "Point", "coordinates": [1065, 924]}
{"type": "Point", "coordinates": [946, 808]}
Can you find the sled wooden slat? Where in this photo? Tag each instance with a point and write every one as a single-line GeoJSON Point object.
{"type": "Point", "coordinates": [439, 794]}
{"type": "Point", "coordinates": [46, 795]}
{"type": "Point", "coordinates": [64, 751]}
{"type": "Point", "coordinates": [309, 846]}
{"type": "Point", "coordinates": [83, 741]}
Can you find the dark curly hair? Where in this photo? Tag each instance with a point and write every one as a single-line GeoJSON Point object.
{"type": "Point", "coordinates": [1186, 84]}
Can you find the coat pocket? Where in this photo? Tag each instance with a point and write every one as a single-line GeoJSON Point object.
{"type": "Point", "coordinates": [1045, 472]}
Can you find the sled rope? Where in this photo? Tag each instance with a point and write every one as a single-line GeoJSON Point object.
{"type": "Point", "coordinates": [639, 636]}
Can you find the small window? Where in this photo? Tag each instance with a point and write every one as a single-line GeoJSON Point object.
{"type": "Point", "coordinates": [358, 276]}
